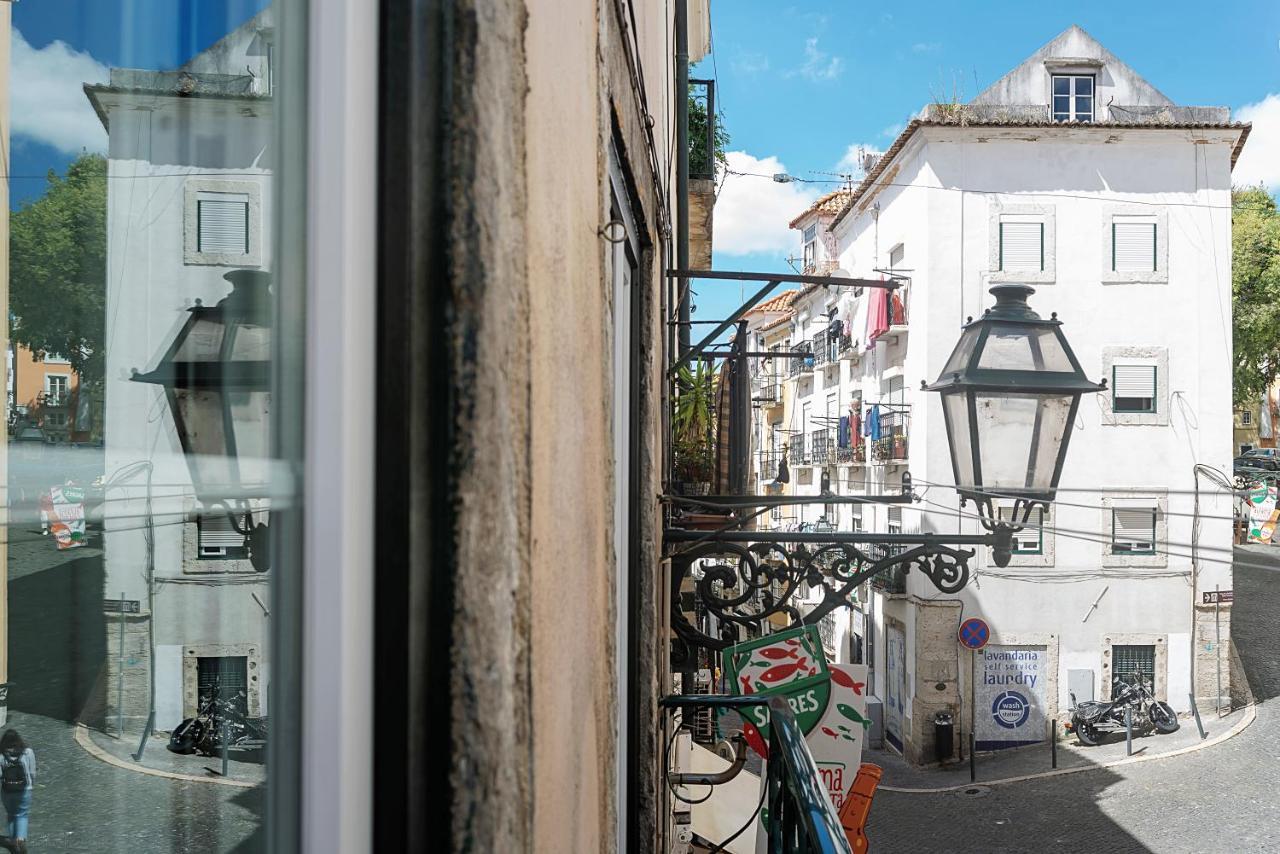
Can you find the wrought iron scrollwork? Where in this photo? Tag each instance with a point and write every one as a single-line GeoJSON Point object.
{"type": "Point", "coordinates": [744, 585]}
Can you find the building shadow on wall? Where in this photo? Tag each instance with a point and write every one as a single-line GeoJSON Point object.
{"type": "Point", "coordinates": [57, 640]}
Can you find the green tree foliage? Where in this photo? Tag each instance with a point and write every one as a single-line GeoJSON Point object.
{"type": "Point", "coordinates": [698, 162]}
{"type": "Point", "coordinates": [58, 267]}
{"type": "Point", "coordinates": [1255, 292]}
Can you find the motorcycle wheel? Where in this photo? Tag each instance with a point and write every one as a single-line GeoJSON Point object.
{"type": "Point", "coordinates": [1085, 732]}
{"type": "Point", "coordinates": [1163, 718]}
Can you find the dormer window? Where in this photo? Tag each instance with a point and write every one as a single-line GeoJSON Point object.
{"type": "Point", "coordinates": [810, 252]}
{"type": "Point", "coordinates": [1073, 97]}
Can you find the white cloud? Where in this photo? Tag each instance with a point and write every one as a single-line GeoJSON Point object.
{"type": "Point", "coordinates": [47, 101]}
{"type": "Point", "coordinates": [750, 63]}
{"type": "Point", "coordinates": [1260, 161]}
{"type": "Point", "coordinates": [892, 131]}
{"type": "Point", "coordinates": [852, 159]}
{"type": "Point", "coordinates": [752, 213]}
{"type": "Point", "coordinates": [818, 64]}
{"type": "Point", "coordinates": [926, 47]}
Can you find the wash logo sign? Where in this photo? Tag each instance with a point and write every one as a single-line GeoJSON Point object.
{"type": "Point", "coordinates": [1011, 689]}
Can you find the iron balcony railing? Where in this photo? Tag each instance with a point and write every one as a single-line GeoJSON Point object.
{"type": "Point", "coordinates": [797, 454]}
{"type": "Point", "coordinates": [766, 388]}
{"type": "Point", "coordinates": [800, 817]}
{"type": "Point", "coordinates": [826, 348]}
{"type": "Point", "coordinates": [892, 445]}
{"type": "Point", "coordinates": [891, 580]}
{"type": "Point", "coordinates": [768, 462]}
{"type": "Point", "coordinates": [801, 360]}
{"type": "Point", "coordinates": [820, 447]}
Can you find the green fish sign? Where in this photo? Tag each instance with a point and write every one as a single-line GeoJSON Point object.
{"type": "Point", "coordinates": [790, 664]}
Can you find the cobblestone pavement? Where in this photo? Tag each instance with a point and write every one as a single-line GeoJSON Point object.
{"type": "Point", "coordinates": [1218, 800]}
{"type": "Point", "coordinates": [82, 804]}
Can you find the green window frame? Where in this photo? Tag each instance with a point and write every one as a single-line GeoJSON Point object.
{"type": "Point", "coordinates": [1155, 246]}
{"type": "Point", "coordinates": [1001, 248]}
{"type": "Point", "coordinates": [1129, 547]}
{"type": "Point", "coordinates": [1144, 405]}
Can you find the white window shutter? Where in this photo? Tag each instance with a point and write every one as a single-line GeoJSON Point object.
{"type": "Point", "coordinates": [1133, 246]}
{"type": "Point", "coordinates": [217, 532]}
{"type": "Point", "coordinates": [1135, 381]}
{"type": "Point", "coordinates": [1022, 246]}
{"type": "Point", "coordinates": [1029, 538]}
{"type": "Point", "coordinates": [224, 225]}
{"type": "Point", "coordinates": [1135, 526]}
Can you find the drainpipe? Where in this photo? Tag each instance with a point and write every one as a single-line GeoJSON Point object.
{"type": "Point", "coordinates": [682, 167]}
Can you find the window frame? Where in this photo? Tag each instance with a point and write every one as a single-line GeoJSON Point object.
{"type": "Point", "coordinates": [1003, 223]}
{"type": "Point", "coordinates": [1153, 407]}
{"type": "Point", "coordinates": [1073, 115]}
{"type": "Point", "coordinates": [1155, 517]}
{"type": "Point", "coordinates": [1155, 243]}
{"type": "Point", "coordinates": [1129, 499]}
{"type": "Point", "coordinates": [809, 246]}
{"type": "Point", "coordinates": [255, 237]}
{"type": "Point", "coordinates": [1106, 247]}
{"type": "Point", "coordinates": [1046, 215]}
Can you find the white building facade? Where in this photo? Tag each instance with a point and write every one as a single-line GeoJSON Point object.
{"type": "Point", "coordinates": [1073, 175]}
{"type": "Point", "coordinates": [188, 150]}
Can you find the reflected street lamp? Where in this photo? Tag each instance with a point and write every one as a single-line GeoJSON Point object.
{"type": "Point", "coordinates": [1010, 392]}
{"type": "Point", "coordinates": [216, 376]}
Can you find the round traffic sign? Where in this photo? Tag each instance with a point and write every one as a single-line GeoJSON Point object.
{"type": "Point", "coordinates": [974, 633]}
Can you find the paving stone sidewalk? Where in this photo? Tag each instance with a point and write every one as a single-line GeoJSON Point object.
{"type": "Point", "coordinates": [157, 758]}
{"type": "Point", "coordinates": [1037, 759]}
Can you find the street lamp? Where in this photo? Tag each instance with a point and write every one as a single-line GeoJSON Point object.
{"type": "Point", "coordinates": [216, 375]}
{"type": "Point", "coordinates": [1010, 392]}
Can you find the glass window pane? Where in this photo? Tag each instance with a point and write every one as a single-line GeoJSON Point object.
{"type": "Point", "coordinates": [1019, 436]}
{"type": "Point", "coordinates": [1062, 106]}
{"type": "Point", "coordinates": [1084, 85]}
{"type": "Point", "coordinates": [1018, 348]}
{"type": "Point", "coordinates": [956, 411]}
{"type": "Point", "coordinates": [149, 614]}
{"type": "Point", "coordinates": [1062, 85]}
{"type": "Point", "coordinates": [1084, 109]}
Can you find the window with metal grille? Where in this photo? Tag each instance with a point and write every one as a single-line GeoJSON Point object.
{"type": "Point", "coordinates": [1133, 530]}
{"type": "Point", "coordinates": [1139, 658]}
{"type": "Point", "coordinates": [1073, 97]}
{"type": "Point", "coordinates": [227, 677]}
{"type": "Point", "coordinates": [1133, 388]}
{"type": "Point", "coordinates": [1246, 417]}
{"type": "Point", "coordinates": [1022, 246]}
{"type": "Point", "coordinates": [810, 246]}
{"type": "Point", "coordinates": [1133, 244]}
{"type": "Point", "coordinates": [1030, 540]}
{"type": "Point", "coordinates": [895, 527]}
{"type": "Point", "coordinates": [222, 223]}
{"type": "Point", "coordinates": [219, 540]}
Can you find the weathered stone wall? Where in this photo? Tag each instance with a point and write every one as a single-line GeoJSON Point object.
{"type": "Point", "coordinates": [936, 675]}
{"type": "Point", "coordinates": [702, 203]}
{"type": "Point", "coordinates": [1213, 651]}
{"type": "Point", "coordinates": [135, 697]}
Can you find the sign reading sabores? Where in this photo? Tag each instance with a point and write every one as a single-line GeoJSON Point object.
{"type": "Point", "coordinates": [1010, 695]}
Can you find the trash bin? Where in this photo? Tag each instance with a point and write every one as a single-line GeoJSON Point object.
{"type": "Point", "coordinates": [944, 735]}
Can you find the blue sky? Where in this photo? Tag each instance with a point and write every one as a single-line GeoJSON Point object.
{"type": "Point", "coordinates": [60, 44]}
{"type": "Point", "coordinates": [803, 84]}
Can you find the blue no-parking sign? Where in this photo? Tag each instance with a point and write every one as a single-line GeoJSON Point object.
{"type": "Point", "coordinates": [974, 633]}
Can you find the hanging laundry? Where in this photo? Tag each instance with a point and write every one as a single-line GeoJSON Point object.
{"type": "Point", "coordinates": [877, 315]}
{"type": "Point", "coordinates": [873, 422]}
{"type": "Point", "coordinates": [855, 423]}
{"type": "Point", "coordinates": [898, 312]}
{"type": "Point", "coordinates": [842, 434]}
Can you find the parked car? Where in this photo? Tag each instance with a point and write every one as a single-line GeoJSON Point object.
{"type": "Point", "coordinates": [1272, 454]}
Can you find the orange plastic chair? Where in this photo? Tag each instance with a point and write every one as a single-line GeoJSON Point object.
{"type": "Point", "coordinates": [857, 806]}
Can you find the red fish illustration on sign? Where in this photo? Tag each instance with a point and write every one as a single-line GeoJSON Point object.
{"type": "Point", "coordinates": [775, 653]}
{"type": "Point", "coordinates": [746, 685]}
{"type": "Point", "coordinates": [843, 679]}
{"type": "Point", "coordinates": [754, 740]}
{"type": "Point", "coordinates": [781, 671]}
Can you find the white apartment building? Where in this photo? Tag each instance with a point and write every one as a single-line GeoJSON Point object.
{"type": "Point", "coordinates": [188, 200]}
{"type": "Point", "coordinates": [1073, 175]}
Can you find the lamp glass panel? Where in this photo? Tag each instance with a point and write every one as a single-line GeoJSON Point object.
{"type": "Point", "coordinates": [251, 420]}
{"type": "Point", "coordinates": [1024, 348]}
{"type": "Point", "coordinates": [202, 341]}
{"type": "Point", "coordinates": [252, 343]}
{"type": "Point", "coordinates": [1019, 436]}
{"type": "Point", "coordinates": [201, 417]}
{"type": "Point", "coordinates": [963, 352]}
{"type": "Point", "coordinates": [956, 412]}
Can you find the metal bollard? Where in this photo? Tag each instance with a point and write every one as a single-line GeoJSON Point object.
{"type": "Point", "coordinates": [1053, 741]}
{"type": "Point", "coordinates": [1196, 712]}
{"type": "Point", "coordinates": [1128, 730]}
{"type": "Point", "coordinates": [226, 739]}
{"type": "Point", "coordinates": [973, 763]}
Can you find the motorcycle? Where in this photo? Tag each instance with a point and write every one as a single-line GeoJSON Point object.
{"type": "Point", "coordinates": [218, 719]}
{"type": "Point", "coordinates": [1092, 718]}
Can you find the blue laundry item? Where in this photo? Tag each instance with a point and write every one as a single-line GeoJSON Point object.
{"type": "Point", "coordinates": [873, 422]}
{"type": "Point", "coordinates": [866, 423]}
{"type": "Point", "coordinates": [843, 434]}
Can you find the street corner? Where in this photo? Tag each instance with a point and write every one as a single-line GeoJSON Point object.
{"type": "Point", "coordinates": [1037, 761]}
{"type": "Point", "coordinates": [156, 761]}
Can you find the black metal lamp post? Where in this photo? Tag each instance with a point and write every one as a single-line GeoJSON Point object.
{"type": "Point", "coordinates": [1010, 392]}
{"type": "Point", "coordinates": [216, 375]}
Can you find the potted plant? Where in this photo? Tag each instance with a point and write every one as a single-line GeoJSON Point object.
{"type": "Point", "coordinates": [692, 423]}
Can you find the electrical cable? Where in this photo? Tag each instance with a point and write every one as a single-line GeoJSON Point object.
{"type": "Point", "coordinates": [666, 776]}
{"type": "Point", "coordinates": [764, 792]}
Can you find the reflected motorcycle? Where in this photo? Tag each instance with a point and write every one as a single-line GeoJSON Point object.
{"type": "Point", "coordinates": [219, 717]}
{"type": "Point", "coordinates": [1090, 719]}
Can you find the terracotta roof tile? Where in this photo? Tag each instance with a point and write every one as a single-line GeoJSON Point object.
{"type": "Point", "coordinates": [780, 302]}
{"type": "Point", "coordinates": [831, 203]}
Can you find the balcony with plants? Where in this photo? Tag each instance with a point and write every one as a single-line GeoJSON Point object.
{"type": "Point", "coordinates": [891, 446]}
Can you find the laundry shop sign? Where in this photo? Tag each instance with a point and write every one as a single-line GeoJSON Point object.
{"type": "Point", "coordinates": [1010, 695]}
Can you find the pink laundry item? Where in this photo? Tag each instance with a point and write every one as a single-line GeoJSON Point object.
{"type": "Point", "coordinates": [877, 314]}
